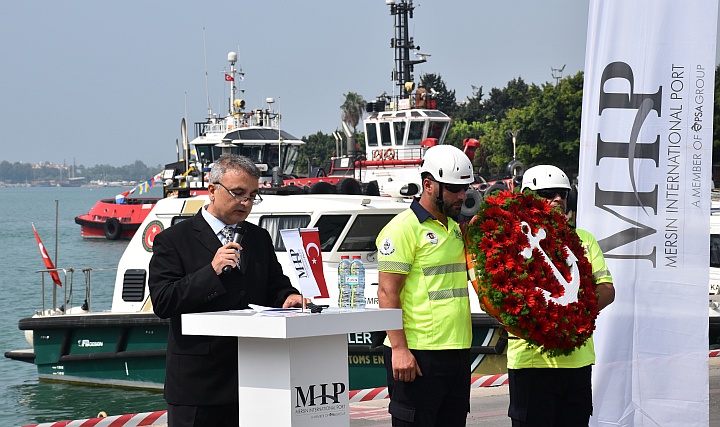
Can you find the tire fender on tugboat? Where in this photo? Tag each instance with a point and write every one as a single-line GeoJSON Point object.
{"type": "Point", "coordinates": [112, 229]}
{"type": "Point", "coordinates": [349, 186]}
{"type": "Point", "coordinates": [496, 187]}
{"type": "Point", "coordinates": [322, 187]}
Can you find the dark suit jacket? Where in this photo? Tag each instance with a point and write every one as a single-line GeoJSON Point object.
{"type": "Point", "coordinates": [202, 370]}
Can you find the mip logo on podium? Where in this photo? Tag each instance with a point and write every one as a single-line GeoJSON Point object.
{"type": "Point", "coordinates": [320, 399]}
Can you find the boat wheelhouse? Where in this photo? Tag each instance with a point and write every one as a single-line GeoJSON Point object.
{"type": "Point", "coordinates": [255, 134]}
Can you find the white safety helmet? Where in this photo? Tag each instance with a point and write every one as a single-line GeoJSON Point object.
{"type": "Point", "coordinates": [447, 164]}
{"type": "Point", "coordinates": [544, 176]}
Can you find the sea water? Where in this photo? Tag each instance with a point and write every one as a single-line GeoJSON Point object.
{"type": "Point", "coordinates": [25, 400]}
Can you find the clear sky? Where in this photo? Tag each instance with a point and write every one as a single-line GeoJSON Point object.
{"type": "Point", "coordinates": [102, 82]}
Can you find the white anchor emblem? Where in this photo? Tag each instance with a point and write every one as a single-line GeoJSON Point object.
{"type": "Point", "coordinates": [570, 293]}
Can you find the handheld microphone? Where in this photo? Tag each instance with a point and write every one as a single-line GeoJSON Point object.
{"type": "Point", "coordinates": [238, 235]}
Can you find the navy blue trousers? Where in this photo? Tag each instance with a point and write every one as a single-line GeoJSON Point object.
{"type": "Point", "coordinates": [550, 397]}
{"type": "Point", "coordinates": [440, 397]}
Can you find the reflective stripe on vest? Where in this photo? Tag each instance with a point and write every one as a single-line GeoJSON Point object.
{"type": "Point", "coordinates": [448, 293]}
{"type": "Point", "coordinates": [444, 269]}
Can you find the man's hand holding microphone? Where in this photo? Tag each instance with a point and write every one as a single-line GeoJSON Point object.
{"type": "Point", "coordinates": [227, 257]}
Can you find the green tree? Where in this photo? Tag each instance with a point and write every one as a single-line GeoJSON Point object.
{"type": "Point", "coordinates": [316, 152]}
{"type": "Point", "coordinates": [444, 98]}
{"type": "Point", "coordinates": [472, 109]}
{"type": "Point", "coordinates": [484, 159]}
{"type": "Point", "coordinates": [549, 126]}
{"type": "Point", "coordinates": [352, 109]}
{"type": "Point", "coordinates": [517, 94]}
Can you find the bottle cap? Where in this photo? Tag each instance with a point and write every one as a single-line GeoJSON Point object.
{"type": "Point", "coordinates": [356, 257]}
{"type": "Point", "coordinates": [344, 256]}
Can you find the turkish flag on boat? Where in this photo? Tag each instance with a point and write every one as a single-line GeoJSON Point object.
{"type": "Point", "coordinates": [48, 262]}
{"type": "Point", "coordinates": [303, 248]}
{"type": "Point", "coordinates": [229, 78]}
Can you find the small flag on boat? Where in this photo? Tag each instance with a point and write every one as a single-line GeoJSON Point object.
{"type": "Point", "coordinates": [48, 262]}
{"type": "Point", "coordinates": [303, 248]}
{"type": "Point", "coordinates": [229, 78]}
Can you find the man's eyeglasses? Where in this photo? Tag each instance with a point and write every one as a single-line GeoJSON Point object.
{"type": "Point", "coordinates": [453, 188]}
{"type": "Point", "coordinates": [255, 200]}
{"type": "Point", "coordinates": [550, 193]}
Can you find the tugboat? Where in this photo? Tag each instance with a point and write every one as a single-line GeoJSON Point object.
{"type": "Point", "coordinates": [399, 129]}
{"type": "Point", "coordinates": [116, 218]}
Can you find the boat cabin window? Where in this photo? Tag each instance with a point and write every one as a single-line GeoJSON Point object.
{"type": "Point", "coordinates": [416, 132]}
{"type": "Point", "coordinates": [253, 152]}
{"type": "Point", "coordinates": [273, 224]}
{"type": "Point", "coordinates": [435, 113]}
{"type": "Point", "coordinates": [436, 130]}
{"type": "Point", "coordinates": [260, 154]}
{"type": "Point", "coordinates": [715, 250]}
{"type": "Point", "coordinates": [271, 158]}
{"type": "Point", "coordinates": [371, 134]}
{"type": "Point", "coordinates": [385, 134]}
{"type": "Point", "coordinates": [363, 232]}
{"type": "Point", "coordinates": [399, 132]}
{"type": "Point", "coordinates": [290, 154]}
{"type": "Point", "coordinates": [209, 153]}
{"type": "Point", "coordinates": [330, 227]}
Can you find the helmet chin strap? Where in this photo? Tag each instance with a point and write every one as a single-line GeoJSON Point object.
{"type": "Point", "coordinates": [439, 202]}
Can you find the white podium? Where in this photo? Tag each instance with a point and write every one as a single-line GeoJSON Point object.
{"type": "Point", "coordinates": [292, 368]}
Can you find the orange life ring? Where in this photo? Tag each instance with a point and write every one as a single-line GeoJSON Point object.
{"type": "Point", "coordinates": [390, 154]}
{"type": "Point", "coordinates": [377, 154]}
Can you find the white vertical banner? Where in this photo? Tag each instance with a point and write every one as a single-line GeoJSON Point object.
{"type": "Point", "coordinates": [644, 192]}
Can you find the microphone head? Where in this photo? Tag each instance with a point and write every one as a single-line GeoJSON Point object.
{"type": "Point", "coordinates": [239, 232]}
{"type": "Point", "coordinates": [241, 227]}
{"type": "Point", "coordinates": [238, 235]}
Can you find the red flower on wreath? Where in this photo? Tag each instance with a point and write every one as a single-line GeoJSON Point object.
{"type": "Point", "coordinates": [522, 251]}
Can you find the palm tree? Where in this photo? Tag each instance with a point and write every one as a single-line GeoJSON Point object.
{"type": "Point", "coordinates": [352, 109]}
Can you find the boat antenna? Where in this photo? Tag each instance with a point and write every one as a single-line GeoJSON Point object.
{"type": "Point", "coordinates": [207, 90]}
{"type": "Point", "coordinates": [57, 226]}
{"type": "Point", "coordinates": [402, 10]}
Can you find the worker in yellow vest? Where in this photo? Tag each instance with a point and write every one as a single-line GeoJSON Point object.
{"type": "Point", "coordinates": [555, 391]}
{"type": "Point", "coordinates": [422, 271]}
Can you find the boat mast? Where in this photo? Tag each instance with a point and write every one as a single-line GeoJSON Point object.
{"type": "Point", "coordinates": [236, 104]}
{"type": "Point", "coordinates": [402, 10]}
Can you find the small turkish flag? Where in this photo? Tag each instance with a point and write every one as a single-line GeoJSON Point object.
{"type": "Point", "coordinates": [229, 78]}
{"type": "Point", "coordinates": [48, 262]}
{"type": "Point", "coordinates": [303, 247]}
{"type": "Point", "coordinates": [311, 244]}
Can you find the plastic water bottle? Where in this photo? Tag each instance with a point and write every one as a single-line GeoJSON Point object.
{"type": "Point", "coordinates": [357, 283]}
{"type": "Point", "coordinates": [344, 290]}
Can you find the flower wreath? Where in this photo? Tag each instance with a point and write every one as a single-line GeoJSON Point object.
{"type": "Point", "coordinates": [520, 250]}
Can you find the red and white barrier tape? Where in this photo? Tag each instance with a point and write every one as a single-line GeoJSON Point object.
{"type": "Point", "coordinates": [378, 393]}
{"type": "Point", "coordinates": [489, 381]}
{"type": "Point", "coordinates": [127, 420]}
{"type": "Point", "coordinates": [160, 417]}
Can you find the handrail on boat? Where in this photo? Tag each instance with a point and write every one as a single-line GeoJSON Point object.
{"type": "Point", "coordinates": [68, 289]}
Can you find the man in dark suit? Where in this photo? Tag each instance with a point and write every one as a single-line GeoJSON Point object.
{"type": "Point", "coordinates": [186, 276]}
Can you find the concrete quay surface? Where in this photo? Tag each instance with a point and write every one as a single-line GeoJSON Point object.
{"type": "Point", "coordinates": [488, 406]}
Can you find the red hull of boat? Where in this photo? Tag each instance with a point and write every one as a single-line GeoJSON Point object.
{"type": "Point", "coordinates": [111, 220]}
